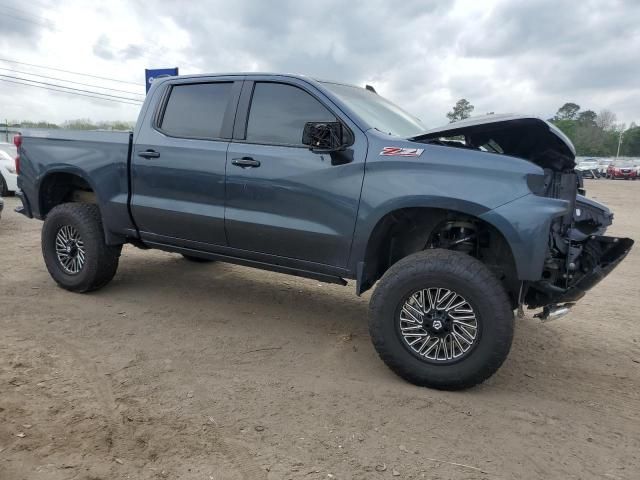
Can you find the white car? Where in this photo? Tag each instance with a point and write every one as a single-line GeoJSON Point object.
{"type": "Point", "coordinates": [588, 168]}
{"type": "Point", "coordinates": [8, 177]}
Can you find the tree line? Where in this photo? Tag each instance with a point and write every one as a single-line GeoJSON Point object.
{"type": "Point", "coordinates": [593, 134]}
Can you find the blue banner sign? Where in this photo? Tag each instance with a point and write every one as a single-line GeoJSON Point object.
{"type": "Point", "coordinates": [151, 74]}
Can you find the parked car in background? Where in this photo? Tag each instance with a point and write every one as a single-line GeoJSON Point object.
{"type": "Point", "coordinates": [8, 176]}
{"type": "Point", "coordinates": [9, 148]}
{"type": "Point", "coordinates": [588, 168]}
{"type": "Point", "coordinates": [603, 164]}
{"type": "Point", "coordinates": [622, 169]}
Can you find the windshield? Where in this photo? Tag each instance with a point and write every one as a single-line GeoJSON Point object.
{"type": "Point", "coordinates": [377, 111]}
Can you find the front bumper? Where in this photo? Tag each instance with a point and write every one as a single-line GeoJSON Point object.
{"type": "Point", "coordinates": [613, 251]}
{"type": "Point", "coordinates": [630, 174]}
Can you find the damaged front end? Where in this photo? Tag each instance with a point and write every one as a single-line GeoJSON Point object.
{"type": "Point", "coordinates": [578, 254]}
{"type": "Point", "coordinates": [578, 257]}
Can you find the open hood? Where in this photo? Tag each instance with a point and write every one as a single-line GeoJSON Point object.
{"type": "Point", "coordinates": [527, 137]}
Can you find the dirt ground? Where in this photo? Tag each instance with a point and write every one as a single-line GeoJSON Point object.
{"type": "Point", "coordinates": [214, 371]}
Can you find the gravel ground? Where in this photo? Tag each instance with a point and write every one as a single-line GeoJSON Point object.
{"type": "Point", "coordinates": [214, 371]}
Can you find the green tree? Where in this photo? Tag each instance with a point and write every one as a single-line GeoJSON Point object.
{"type": "Point", "coordinates": [31, 124]}
{"type": "Point", "coordinates": [79, 124]}
{"type": "Point", "coordinates": [568, 111]}
{"type": "Point", "coordinates": [588, 117]}
{"type": "Point", "coordinates": [587, 130]}
{"type": "Point", "coordinates": [461, 110]}
{"type": "Point", "coordinates": [630, 142]}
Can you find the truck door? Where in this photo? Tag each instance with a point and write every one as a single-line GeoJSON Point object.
{"type": "Point", "coordinates": [178, 164]}
{"type": "Point", "coordinates": [281, 198]}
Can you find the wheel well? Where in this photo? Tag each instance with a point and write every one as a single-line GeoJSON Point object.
{"type": "Point", "coordinates": [410, 230]}
{"type": "Point", "coordinates": [59, 188]}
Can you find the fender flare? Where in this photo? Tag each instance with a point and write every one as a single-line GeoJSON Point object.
{"type": "Point", "coordinates": [367, 228]}
{"type": "Point", "coordinates": [68, 169]}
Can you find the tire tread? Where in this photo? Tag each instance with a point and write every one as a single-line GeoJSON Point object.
{"type": "Point", "coordinates": [107, 256]}
{"type": "Point", "coordinates": [453, 263]}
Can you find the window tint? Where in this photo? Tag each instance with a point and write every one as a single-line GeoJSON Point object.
{"type": "Point", "coordinates": [278, 114]}
{"type": "Point", "coordinates": [196, 110]}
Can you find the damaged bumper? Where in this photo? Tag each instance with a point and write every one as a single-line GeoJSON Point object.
{"type": "Point", "coordinates": [601, 255]}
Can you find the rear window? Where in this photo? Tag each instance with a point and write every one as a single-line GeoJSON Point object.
{"type": "Point", "coordinates": [196, 110]}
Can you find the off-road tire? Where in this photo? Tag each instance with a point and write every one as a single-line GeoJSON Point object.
{"type": "Point", "coordinates": [437, 268]}
{"type": "Point", "coordinates": [101, 261]}
{"type": "Point", "coordinates": [194, 259]}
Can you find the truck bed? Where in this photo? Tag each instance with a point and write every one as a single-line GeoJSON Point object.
{"type": "Point", "coordinates": [101, 158]}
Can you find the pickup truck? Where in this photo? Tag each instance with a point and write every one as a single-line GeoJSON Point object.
{"type": "Point", "coordinates": [459, 226]}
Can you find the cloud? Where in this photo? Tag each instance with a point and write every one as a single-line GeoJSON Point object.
{"type": "Point", "coordinates": [502, 55]}
{"type": "Point", "coordinates": [22, 24]}
{"type": "Point", "coordinates": [102, 48]}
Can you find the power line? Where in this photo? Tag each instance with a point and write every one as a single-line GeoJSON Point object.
{"type": "Point", "coordinates": [70, 81]}
{"type": "Point", "coordinates": [68, 71]}
{"type": "Point", "coordinates": [71, 88]}
{"type": "Point", "coordinates": [70, 93]}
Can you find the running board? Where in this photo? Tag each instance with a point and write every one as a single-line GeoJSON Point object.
{"type": "Point", "coordinates": [321, 277]}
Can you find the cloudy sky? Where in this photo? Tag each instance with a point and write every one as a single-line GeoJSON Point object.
{"type": "Point", "coordinates": [504, 56]}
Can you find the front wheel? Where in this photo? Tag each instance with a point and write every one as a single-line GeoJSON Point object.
{"type": "Point", "coordinates": [74, 248]}
{"type": "Point", "coordinates": [441, 319]}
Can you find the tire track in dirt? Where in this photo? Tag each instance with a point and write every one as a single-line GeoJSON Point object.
{"type": "Point", "coordinates": [237, 455]}
{"type": "Point", "coordinates": [101, 388]}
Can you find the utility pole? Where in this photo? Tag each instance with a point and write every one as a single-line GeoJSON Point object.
{"type": "Point", "coordinates": [619, 143]}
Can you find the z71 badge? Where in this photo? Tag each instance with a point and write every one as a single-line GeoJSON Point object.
{"type": "Point", "coordinates": [401, 152]}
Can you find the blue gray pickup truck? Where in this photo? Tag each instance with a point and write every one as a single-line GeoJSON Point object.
{"type": "Point", "coordinates": [458, 227]}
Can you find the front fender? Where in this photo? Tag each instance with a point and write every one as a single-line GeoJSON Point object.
{"type": "Point", "coordinates": [525, 224]}
{"type": "Point", "coordinates": [468, 182]}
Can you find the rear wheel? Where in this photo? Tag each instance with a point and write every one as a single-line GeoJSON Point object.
{"type": "Point", "coordinates": [441, 319]}
{"type": "Point", "coordinates": [74, 248]}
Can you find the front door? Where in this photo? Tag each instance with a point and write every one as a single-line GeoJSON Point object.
{"type": "Point", "coordinates": [178, 165]}
{"type": "Point", "coordinates": [281, 198]}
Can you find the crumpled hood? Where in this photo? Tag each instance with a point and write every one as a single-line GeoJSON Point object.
{"type": "Point", "coordinates": [522, 136]}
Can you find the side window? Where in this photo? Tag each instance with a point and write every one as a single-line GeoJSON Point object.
{"type": "Point", "coordinates": [196, 110]}
{"type": "Point", "coordinates": [278, 114]}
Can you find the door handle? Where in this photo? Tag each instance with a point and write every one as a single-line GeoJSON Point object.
{"type": "Point", "coordinates": [149, 154]}
{"type": "Point", "coordinates": [246, 162]}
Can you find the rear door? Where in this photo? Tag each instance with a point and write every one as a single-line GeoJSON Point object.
{"type": "Point", "coordinates": [282, 198]}
{"type": "Point", "coordinates": [178, 163]}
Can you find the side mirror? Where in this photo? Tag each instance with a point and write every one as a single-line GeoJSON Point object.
{"type": "Point", "coordinates": [323, 136]}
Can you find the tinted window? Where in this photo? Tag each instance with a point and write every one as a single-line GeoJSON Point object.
{"type": "Point", "coordinates": [278, 114]}
{"type": "Point", "coordinates": [196, 110]}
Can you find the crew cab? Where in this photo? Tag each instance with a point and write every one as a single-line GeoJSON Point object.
{"type": "Point", "coordinates": [458, 226]}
